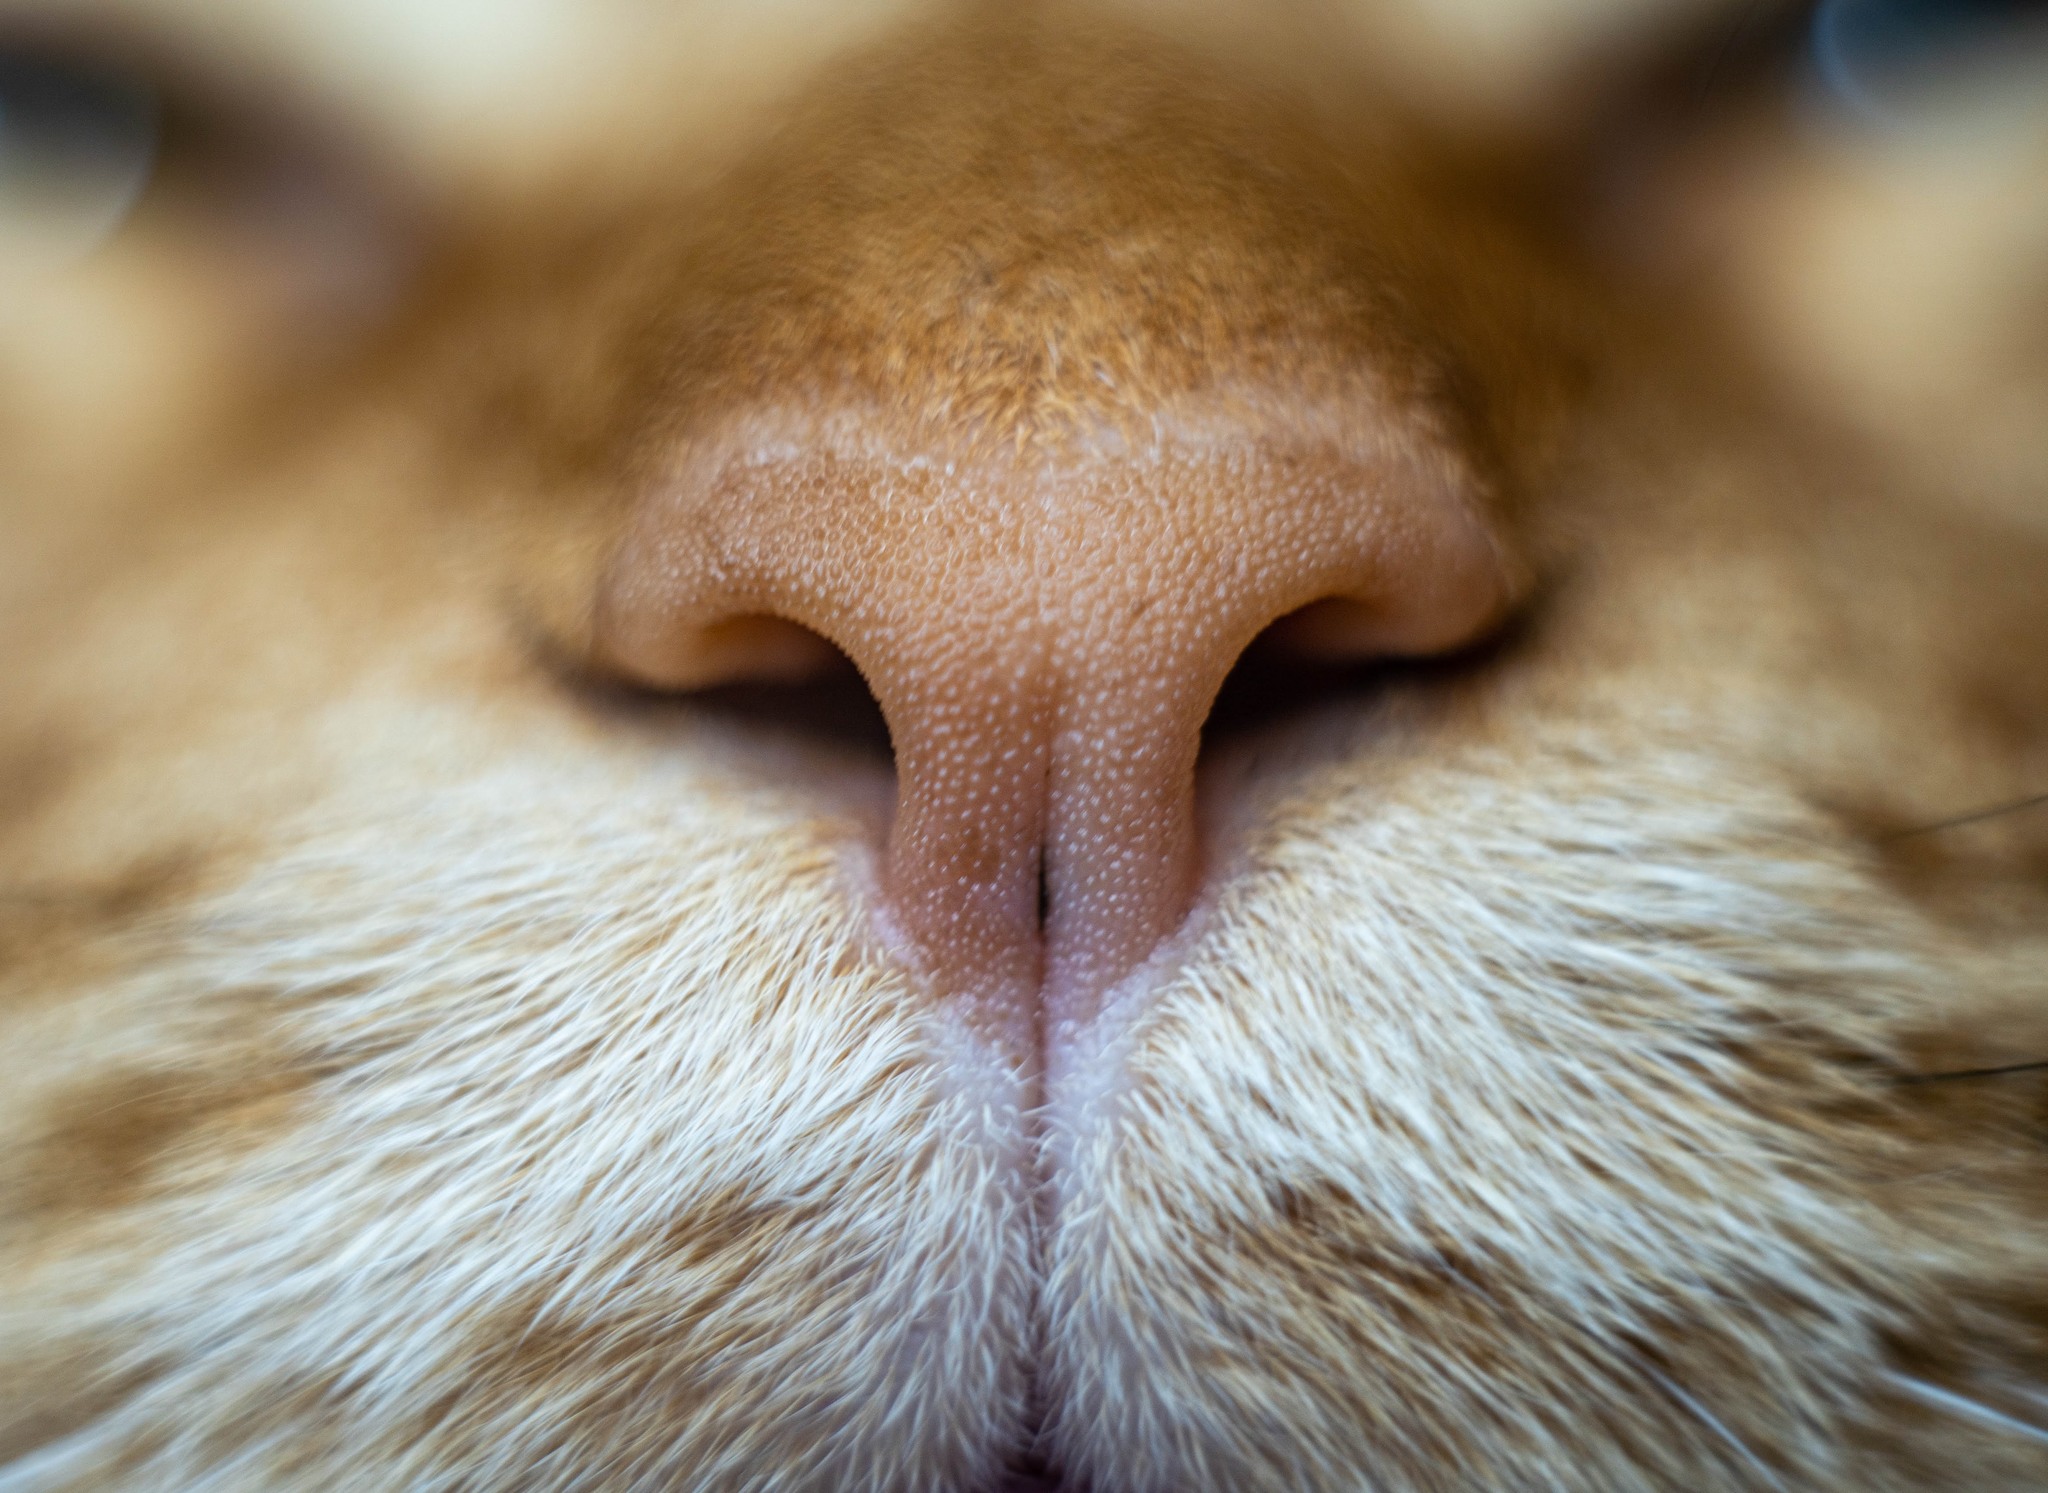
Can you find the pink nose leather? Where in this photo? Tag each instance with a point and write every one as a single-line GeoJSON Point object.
{"type": "Point", "coordinates": [1045, 633]}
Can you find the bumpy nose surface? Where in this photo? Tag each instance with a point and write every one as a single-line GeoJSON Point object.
{"type": "Point", "coordinates": [1045, 634]}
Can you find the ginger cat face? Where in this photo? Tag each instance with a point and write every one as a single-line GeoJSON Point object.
{"type": "Point", "coordinates": [1016, 748]}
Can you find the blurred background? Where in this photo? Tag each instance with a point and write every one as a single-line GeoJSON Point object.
{"type": "Point", "coordinates": [201, 198]}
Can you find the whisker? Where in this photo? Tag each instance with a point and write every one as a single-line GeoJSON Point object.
{"type": "Point", "coordinates": [1966, 1408]}
{"type": "Point", "coordinates": [1961, 1073]}
{"type": "Point", "coordinates": [1715, 1424]}
{"type": "Point", "coordinates": [1975, 816]}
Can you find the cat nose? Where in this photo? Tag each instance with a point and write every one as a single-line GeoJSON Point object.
{"type": "Point", "coordinates": [1045, 634]}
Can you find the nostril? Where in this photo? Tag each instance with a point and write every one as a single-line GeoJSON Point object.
{"type": "Point", "coordinates": [749, 649]}
{"type": "Point", "coordinates": [766, 649]}
{"type": "Point", "coordinates": [1276, 680]}
{"type": "Point", "coordinates": [1301, 667]}
{"type": "Point", "coordinates": [1340, 630]}
{"type": "Point", "coordinates": [776, 678]}
{"type": "Point", "coordinates": [830, 706]}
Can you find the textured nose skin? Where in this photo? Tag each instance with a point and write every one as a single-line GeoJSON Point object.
{"type": "Point", "coordinates": [1045, 635]}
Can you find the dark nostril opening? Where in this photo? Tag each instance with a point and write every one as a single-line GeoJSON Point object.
{"type": "Point", "coordinates": [1277, 680]}
{"type": "Point", "coordinates": [1272, 683]}
{"type": "Point", "coordinates": [833, 708]}
{"type": "Point", "coordinates": [825, 703]}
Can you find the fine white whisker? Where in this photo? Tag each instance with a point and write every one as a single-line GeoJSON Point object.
{"type": "Point", "coordinates": [1936, 1397]}
{"type": "Point", "coordinates": [1715, 1424]}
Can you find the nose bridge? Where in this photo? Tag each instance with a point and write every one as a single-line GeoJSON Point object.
{"type": "Point", "coordinates": [1039, 386]}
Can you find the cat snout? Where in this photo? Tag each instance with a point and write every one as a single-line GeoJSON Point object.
{"type": "Point", "coordinates": [1045, 630]}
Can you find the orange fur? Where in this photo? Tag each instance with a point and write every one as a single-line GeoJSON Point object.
{"type": "Point", "coordinates": [430, 1064]}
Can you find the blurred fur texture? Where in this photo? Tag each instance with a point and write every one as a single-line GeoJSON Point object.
{"type": "Point", "coordinates": [423, 1068]}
